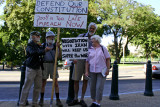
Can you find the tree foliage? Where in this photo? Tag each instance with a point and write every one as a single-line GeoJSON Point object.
{"type": "Point", "coordinates": [125, 19]}
{"type": "Point", "coordinates": [19, 19]}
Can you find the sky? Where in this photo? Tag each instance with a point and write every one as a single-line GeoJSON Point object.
{"type": "Point", "coordinates": [154, 3]}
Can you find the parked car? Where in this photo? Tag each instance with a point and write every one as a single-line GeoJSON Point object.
{"type": "Point", "coordinates": [155, 70]}
{"type": "Point", "coordinates": [67, 63]}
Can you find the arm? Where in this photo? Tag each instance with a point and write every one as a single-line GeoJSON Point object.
{"type": "Point", "coordinates": [59, 50]}
{"type": "Point", "coordinates": [87, 69]}
{"type": "Point", "coordinates": [108, 65]}
{"type": "Point", "coordinates": [32, 50]}
{"type": "Point", "coordinates": [107, 55]}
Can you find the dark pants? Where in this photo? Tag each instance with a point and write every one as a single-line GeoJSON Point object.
{"type": "Point", "coordinates": [70, 97]}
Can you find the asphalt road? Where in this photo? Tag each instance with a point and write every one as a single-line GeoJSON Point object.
{"type": "Point", "coordinates": [131, 80]}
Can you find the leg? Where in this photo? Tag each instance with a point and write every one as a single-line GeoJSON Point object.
{"type": "Point", "coordinates": [58, 101]}
{"type": "Point", "coordinates": [93, 82]}
{"type": "Point", "coordinates": [99, 88]}
{"type": "Point", "coordinates": [29, 78]}
{"type": "Point", "coordinates": [84, 87]}
{"type": "Point", "coordinates": [56, 87]}
{"type": "Point", "coordinates": [70, 97]}
{"type": "Point", "coordinates": [76, 89]}
{"type": "Point", "coordinates": [45, 75]}
{"type": "Point", "coordinates": [37, 86]}
{"type": "Point", "coordinates": [76, 76]}
{"type": "Point", "coordinates": [44, 81]}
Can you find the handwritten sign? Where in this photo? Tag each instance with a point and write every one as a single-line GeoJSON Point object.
{"type": "Point", "coordinates": [75, 48]}
{"type": "Point", "coordinates": [59, 6]}
{"type": "Point", "coordinates": [60, 20]}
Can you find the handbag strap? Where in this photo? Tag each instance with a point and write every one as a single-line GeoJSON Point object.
{"type": "Point", "coordinates": [102, 50]}
{"type": "Point", "coordinates": [104, 55]}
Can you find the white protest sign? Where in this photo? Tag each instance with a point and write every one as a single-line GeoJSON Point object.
{"type": "Point", "coordinates": [75, 48]}
{"type": "Point", "coordinates": [60, 21]}
{"type": "Point", "coordinates": [59, 6]}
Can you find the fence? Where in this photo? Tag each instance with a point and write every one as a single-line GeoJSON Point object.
{"type": "Point", "coordinates": [137, 60]}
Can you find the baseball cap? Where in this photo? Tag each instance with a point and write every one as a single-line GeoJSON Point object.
{"type": "Point", "coordinates": [36, 33]}
{"type": "Point", "coordinates": [50, 33]}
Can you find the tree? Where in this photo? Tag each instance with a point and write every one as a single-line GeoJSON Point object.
{"type": "Point", "coordinates": [19, 19]}
{"type": "Point", "coordinates": [1, 2]}
{"type": "Point", "coordinates": [2, 50]}
{"type": "Point", "coordinates": [123, 18]}
{"type": "Point", "coordinates": [148, 32]}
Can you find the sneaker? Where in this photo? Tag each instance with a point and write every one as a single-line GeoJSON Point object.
{"type": "Point", "coordinates": [93, 105]}
{"type": "Point", "coordinates": [59, 103]}
{"type": "Point", "coordinates": [74, 102]}
{"type": "Point", "coordinates": [41, 102]}
{"type": "Point", "coordinates": [82, 103]}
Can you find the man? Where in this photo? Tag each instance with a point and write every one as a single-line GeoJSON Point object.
{"type": "Point", "coordinates": [79, 70]}
{"type": "Point", "coordinates": [48, 64]}
{"type": "Point", "coordinates": [33, 70]}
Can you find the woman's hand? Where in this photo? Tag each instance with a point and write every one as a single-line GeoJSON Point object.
{"type": "Point", "coordinates": [107, 72]}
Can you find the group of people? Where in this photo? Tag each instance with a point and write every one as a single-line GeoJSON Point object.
{"type": "Point", "coordinates": [40, 64]}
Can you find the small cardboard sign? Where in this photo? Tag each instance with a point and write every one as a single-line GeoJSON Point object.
{"type": "Point", "coordinates": [75, 48]}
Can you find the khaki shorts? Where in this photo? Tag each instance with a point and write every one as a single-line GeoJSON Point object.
{"type": "Point", "coordinates": [48, 70]}
{"type": "Point", "coordinates": [79, 70]}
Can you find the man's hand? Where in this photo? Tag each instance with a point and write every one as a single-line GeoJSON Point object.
{"type": "Point", "coordinates": [47, 49]}
{"type": "Point", "coordinates": [74, 61]}
{"type": "Point", "coordinates": [39, 43]}
{"type": "Point", "coordinates": [58, 44]}
{"type": "Point", "coordinates": [87, 74]}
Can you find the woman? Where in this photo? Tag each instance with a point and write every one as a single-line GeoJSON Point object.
{"type": "Point", "coordinates": [98, 60]}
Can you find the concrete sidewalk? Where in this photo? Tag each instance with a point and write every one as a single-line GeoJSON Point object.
{"type": "Point", "coordinates": [126, 100]}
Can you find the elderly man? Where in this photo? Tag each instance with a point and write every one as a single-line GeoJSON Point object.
{"type": "Point", "coordinates": [48, 64]}
{"type": "Point", "coordinates": [33, 69]}
{"type": "Point", "coordinates": [79, 70]}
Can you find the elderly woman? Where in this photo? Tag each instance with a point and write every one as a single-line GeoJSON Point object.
{"type": "Point", "coordinates": [97, 61]}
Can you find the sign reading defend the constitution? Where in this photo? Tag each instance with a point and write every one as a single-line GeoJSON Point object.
{"type": "Point", "coordinates": [75, 48]}
{"type": "Point", "coordinates": [61, 6]}
{"type": "Point", "coordinates": [60, 20]}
